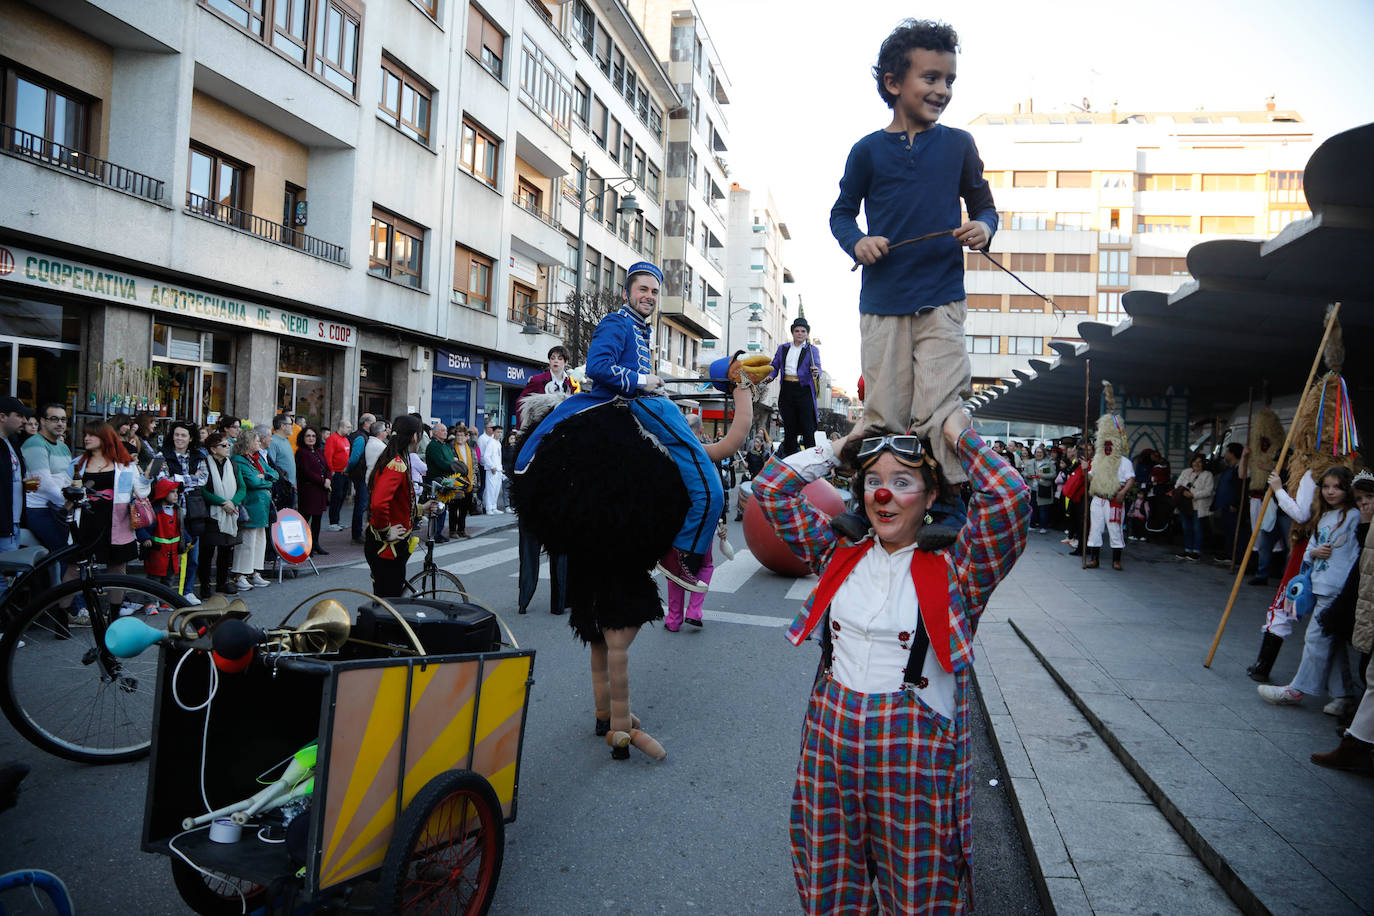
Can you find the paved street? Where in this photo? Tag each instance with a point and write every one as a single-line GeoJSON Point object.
{"type": "Point", "coordinates": [703, 832]}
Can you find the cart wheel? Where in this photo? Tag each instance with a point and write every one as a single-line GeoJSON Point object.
{"type": "Point", "coordinates": [436, 583]}
{"type": "Point", "coordinates": [445, 856]}
{"type": "Point", "coordinates": [217, 895]}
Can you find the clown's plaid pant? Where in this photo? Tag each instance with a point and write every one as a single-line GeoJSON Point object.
{"type": "Point", "coordinates": [882, 783]}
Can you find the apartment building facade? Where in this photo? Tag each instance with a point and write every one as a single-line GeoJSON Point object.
{"type": "Point", "coordinates": [695, 201]}
{"type": "Point", "coordinates": [1093, 204]}
{"type": "Point", "coordinates": [237, 206]}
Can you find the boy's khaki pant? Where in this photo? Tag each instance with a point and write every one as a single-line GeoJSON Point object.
{"type": "Point", "coordinates": [914, 368]}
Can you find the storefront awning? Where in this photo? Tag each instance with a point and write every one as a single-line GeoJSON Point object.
{"type": "Point", "coordinates": [1252, 314]}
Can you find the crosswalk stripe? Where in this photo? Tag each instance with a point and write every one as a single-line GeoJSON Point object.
{"type": "Point", "coordinates": [801, 589]}
{"type": "Point", "coordinates": [495, 558]}
{"type": "Point", "coordinates": [446, 549]}
{"type": "Point", "coordinates": [729, 576]}
{"type": "Point", "coordinates": [543, 572]}
{"type": "Point", "coordinates": [755, 620]}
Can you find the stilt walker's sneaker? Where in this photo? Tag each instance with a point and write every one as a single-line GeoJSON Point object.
{"type": "Point", "coordinates": [676, 565]}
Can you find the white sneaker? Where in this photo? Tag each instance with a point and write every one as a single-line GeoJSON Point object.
{"type": "Point", "coordinates": [1279, 695]}
{"type": "Point", "coordinates": [258, 581]}
{"type": "Point", "coordinates": [191, 599]}
{"type": "Point", "coordinates": [1339, 706]}
{"type": "Point", "coordinates": [242, 584]}
{"type": "Point", "coordinates": [336, 527]}
{"type": "Point", "coordinates": [129, 607]}
{"type": "Point", "coordinates": [83, 619]}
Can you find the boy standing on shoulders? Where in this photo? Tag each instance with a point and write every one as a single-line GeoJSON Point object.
{"type": "Point", "coordinates": [909, 178]}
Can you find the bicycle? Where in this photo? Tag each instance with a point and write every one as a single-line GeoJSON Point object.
{"type": "Point", "coordinates": [431, 581]}
{"type": "Point", "coordinates": [59, 686]}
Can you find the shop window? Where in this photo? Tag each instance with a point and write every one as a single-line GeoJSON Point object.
{"type": "Point", "coordinates": [404, 101]}
{"type": "Point", "coordinates": [397, 250]}
{"type": "Point", "coordinates": [303, 381]}
{"type": "Point", "coordinates": [195, 370]}
{"type": "Point", "coordinates": [374, 385]}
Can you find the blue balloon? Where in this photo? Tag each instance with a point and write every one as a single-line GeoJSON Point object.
{"type": "Point", "coordinates": [127, 637]}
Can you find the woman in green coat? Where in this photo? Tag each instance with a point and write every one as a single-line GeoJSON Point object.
{"type": "Point", "coordinates": [255, 482]}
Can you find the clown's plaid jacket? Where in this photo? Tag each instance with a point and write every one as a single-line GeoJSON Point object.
{"type": "Point", "coordinates": [988, 545]}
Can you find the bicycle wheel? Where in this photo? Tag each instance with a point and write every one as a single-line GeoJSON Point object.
{"type": "Point", "coordinates": [63, 691]}
{"type": "Point", "coordinates": [216, 894]}
{"type": "Point", "coordinates": [445, 856]}
{"type": "Point", "coordinates": [435, 583]}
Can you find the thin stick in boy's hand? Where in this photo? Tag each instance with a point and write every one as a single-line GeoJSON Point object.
{"type": "Point", "coordinates": [890, 247]}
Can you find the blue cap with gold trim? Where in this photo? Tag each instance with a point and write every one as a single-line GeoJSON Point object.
{"type": "Point", "coordinates": [643, 267]}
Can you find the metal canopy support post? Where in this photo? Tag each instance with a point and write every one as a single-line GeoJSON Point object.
{"type": "Point", "coordinates": [1087, 506]}
{"type": "Point", "coordinates": [1268, 491]}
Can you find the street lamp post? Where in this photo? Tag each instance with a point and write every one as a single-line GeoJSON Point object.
{"type": "Point", "coordinates": [730, 314]}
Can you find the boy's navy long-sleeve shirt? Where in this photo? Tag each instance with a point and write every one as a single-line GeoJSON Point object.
{"type": "Point", "coordinates": [908, 191]}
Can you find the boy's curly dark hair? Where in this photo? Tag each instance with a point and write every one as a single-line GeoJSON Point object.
{"type": "Point", "coordinates": [894, 56]}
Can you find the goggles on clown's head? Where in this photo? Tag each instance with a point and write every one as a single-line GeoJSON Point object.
{"type": "Point", "coordinates": [905, 448]}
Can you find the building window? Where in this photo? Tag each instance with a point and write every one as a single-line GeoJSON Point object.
{"type": "Point", "coordinates": [1022, 261]}
{"type": "Point", "coordinates": [1160, 267]}
{"type": "Point", "coordinates": [977, 344]}
{"type": "Point", "coordinates": [1278, 219]}
{"type": "Point", "coordinates": [627, 150]}
{"type": "Point", "coordinates": [1024, 303]}
{"type": "Point", "coordinates": [584, 26]}
{"type": "Point", "coordinates": [598, 126]}
{"type": "Point", "coordinates": [1073, 221]}
{"type": "Point", "coordinates": [1286, 188]}
{"type": "Point", "coordinates": [1162, 224]}
{"type": "Point", "coordinates": [651, 185]}
{"type": "Point", "coordinates": [1113, 268]}
{"type": "Point", "coordinates": [650, 249]}
{"type": "Point", "coordinates": [289, 23]}
{"type": "Point", "coordinates": [404, 101]}
{"type": "Point", "coordinates": [215, 183]}
{"type": "Point", "coordinates": [1026, 346]}
{"type": "Point", "coordinates": [1072, 263]}
{"type": "Point", "coordinates": [45, 111]}
{"type": "Point", "coordinates": [486, 42]}
{"type": "Point", "coordinates": [397, 250]}
{"type": "Point", "coordinates": [985, 302]}
{"type": "Point", "coordinates": [603, 50]}
{"type": "Point", "coordinates": [639, 166]}
{"type": "Point", "coordinates": [1074, 303]}
{"type": "Point", "coordinates": [608, 275]}
{"type": "Point", "coordinates": [336, 44]}
{"type": "Point", "coordinates": [582, 97]}
{"type": "Point", "coordinates": [612, 142]}
{"type": "Point", "coordinates": [480, 153]}
{"type": "Point", "coordinates": [692, 168]}
{"type": "Point", "coordinates": [1109, 306]}
{"type": "Point", "coordinates": [692, 227]}
{"type": "Point", "coordinates": [1228, 225]}
{"type": "Point", "coordinates": [1073, 180]}
{"type": "Point", "coordinates": [247, 14]}
{"type": "Point", "coordinates": [1164, 182]}
{"type": "Point", "coordinates": [995, 179]}
{"type": "Point", "coordinates": [522, 308]}
{"type": "Point", "coordinates": [1026, 221]}
{"type": "Point", "coordinates": [1228, 183]}
{"type": "Point", "coordinates": [544, 89]}
{"type": "Point", "coordinates": [472, 278]}
{"type": "Point", "coordinates": [1029, 179]}
{"type": "Point", "coordinates": [1111, 180]}
{"type": "Point", "coordinates": [591, 276]}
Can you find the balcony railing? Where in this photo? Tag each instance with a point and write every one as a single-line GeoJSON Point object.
{"type": "Point", "coordinates": [244, 221]}
{"type": "Point", "coordinates": [532, 208]}
{"type": "Point", "coordinates": [542, 315]}
{"type": "Point", "coordinates": [51, 153]}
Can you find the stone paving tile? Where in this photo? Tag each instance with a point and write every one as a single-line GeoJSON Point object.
{"type": "Point", "coordinates": [1287, 882]}
{"type": "Point", "coordinates": [1301, 822]}
{"type": "Point", "coordinates": [1068, 897]}
{"type": "Point", "coordinates": [1016, 762]}
{"type": "Point", "coordinates": [1052, 857]}
{"type": "Point", "coordinates": [1151, 884]}
{"type": "Point", "coordinates": [1114, 827]}
{"type": "Point", "coordinates": [1086, 675]}
{"type": "Point", "coordinates": [1079, 766]}
{"type": "Point", "coordinates": [1171, 714]}
{"type": "Point", "coordinates": [1351, 873]}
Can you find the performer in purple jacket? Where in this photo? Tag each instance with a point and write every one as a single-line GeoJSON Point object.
{"type": "Point", "coordinates": [798, 364]}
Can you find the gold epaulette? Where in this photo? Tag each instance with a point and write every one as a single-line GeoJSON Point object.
{"type": "Point", "coordinates": [396, 464]}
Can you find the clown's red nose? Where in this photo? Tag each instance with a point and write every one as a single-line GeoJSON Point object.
{"type": "Point", "coordinates": [882, 496]}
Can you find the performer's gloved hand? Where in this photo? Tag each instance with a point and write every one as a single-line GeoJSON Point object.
{"type": "Point", "coordinates": [651, 384]}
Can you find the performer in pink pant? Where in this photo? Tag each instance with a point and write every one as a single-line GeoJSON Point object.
{"type": "Point", "coordinates": [674, 618]}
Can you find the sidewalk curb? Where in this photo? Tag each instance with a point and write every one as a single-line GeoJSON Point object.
{"type": "Point", "coordinates": [1234, 886]}
{"type": "Point", "coordinates": [1059, 895]}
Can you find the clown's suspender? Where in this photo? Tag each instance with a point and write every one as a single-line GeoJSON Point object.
{"type": "Point", "coordinates": [915, 662]}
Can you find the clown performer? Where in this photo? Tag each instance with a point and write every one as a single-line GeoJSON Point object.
{"type": "Point", "coordinates": [620, 364]}
{"type": "Point", "coordinates": [881, 810]}
{"type": "Point", "coordinates": [1110, 477]}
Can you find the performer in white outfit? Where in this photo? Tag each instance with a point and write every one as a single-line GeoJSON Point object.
{"type": "Point", "coordinates": [1112, 476]}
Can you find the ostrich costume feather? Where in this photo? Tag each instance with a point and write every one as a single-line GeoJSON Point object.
{"type": "Point", "coordinates": [1105, 466]}
{"type": "Point", "coordinates": [605, 493]}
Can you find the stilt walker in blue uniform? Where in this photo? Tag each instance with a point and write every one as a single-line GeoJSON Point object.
{"type": "Point", "coordinates": [620, 366]}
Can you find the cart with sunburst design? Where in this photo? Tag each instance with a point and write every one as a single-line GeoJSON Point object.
{"type": "Point", "coordinates": [416, 771]}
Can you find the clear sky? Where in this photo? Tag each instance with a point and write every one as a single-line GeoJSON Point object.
{"type": "Point", "coordinates": [802, 93]}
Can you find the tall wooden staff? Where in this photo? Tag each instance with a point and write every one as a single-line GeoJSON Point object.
{"type": "Point", "coordinates": [1244, 484]}
{"type": "Point", "coordinates": [1269, 491]}
{"type": "Point", "coordinates": [1083, 526]}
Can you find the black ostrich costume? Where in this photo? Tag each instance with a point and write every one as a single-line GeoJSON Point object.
{"type": "Point", "coordinates": [605, 494]}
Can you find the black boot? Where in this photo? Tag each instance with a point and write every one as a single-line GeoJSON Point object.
{"type": "Point", "coordinates": [1269, 651]}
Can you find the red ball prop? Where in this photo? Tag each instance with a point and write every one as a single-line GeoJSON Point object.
{"type": "Point", "coordinates": [769, 549]}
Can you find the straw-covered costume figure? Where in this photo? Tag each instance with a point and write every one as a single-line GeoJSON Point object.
{"type": "Point", "coordinates": [1112, 476]}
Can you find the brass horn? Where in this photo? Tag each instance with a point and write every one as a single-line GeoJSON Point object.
{"type": "Point", "coordinates": [187, 623]}
{"type": "Point", "coordinates": [325, 629]}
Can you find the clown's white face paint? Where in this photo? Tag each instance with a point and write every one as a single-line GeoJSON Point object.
{"type": "Point", "coordinates": [896, 501]}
